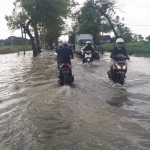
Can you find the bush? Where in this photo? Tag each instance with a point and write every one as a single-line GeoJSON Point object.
{"type": "Point", "coordinates": [138, 49]}
{"type": "Point", "coordinates": [12, 49]}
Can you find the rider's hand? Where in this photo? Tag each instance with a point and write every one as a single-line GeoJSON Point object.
{"type": "Point", "coordinates": [128, 58]}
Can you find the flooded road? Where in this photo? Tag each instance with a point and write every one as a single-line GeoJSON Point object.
{"type": "Point", "coordinates": [93, 114]}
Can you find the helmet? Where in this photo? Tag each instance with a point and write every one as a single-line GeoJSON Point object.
{"type": "Point", "coordinates": [119, 43]}
{"type": "Point", "coordinates": [119, 40]}
{"type": "Point", "coordinates": [88, 42]}
{"type": "Point", "coordinates": [65, 43]}
{"type": "Point", "coordinates": [60, 45]}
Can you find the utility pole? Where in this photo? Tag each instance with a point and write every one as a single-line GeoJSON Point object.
{"type": "Point", "coordinates": [22, 39]}
{"type": "Point", "coordinates": [44, 43]}
{"type": "Point", "coordinates": [25, 36]}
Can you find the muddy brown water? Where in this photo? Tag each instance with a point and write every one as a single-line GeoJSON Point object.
{"type": "Point", "coordinates": [93, 114]}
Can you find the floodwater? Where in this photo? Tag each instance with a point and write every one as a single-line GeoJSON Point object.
{"type": "Point", "coordinates": [93, 114]}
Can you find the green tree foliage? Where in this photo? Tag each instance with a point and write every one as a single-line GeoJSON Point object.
{"type": "Point", "coordinates": [107, 9]}
{"type": "Point", "coordinates": [88, 20]}
{"type": "Point", "coordinates": [122, 31]}
{"type": "Point", "coordinates": [45, 14]}
{"type": "Point", "coordinates": [137, 38]}
{"type": "Point", "coordinates": [148, 38]}
{"type": "Point", "coordinates": [98, 15]}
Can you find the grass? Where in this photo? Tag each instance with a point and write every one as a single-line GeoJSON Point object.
{"type": "Point", "coordinates": [140, 49]}
{"type": "Point", "coordinates": [12, 49]}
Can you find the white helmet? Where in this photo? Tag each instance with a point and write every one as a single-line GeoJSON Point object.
{"type": "Point", "coordinates": [60, 45]}
{"type": "Point", "coordinates": [88, 42]}
{"type": "Point", "coordinates": [119, 40]}
{"type": "Point", "coordinates": [65, 43]}
{"type": "Point", "coordinates": [119, 43]}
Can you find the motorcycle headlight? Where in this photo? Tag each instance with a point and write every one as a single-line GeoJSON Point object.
{"type": "Point", "coordinates": [124, 67]}
{"type": "Point", "coordinates": [118, 67]}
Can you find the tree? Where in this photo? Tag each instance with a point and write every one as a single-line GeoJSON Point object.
{"type": "Point", "coordinates": [40, 15]}
{"type": "Point", "coordinates": [140, 38]}
{"type": "Point", "coordinates": [148, 38]}
{"type": "Point", "coordinates": [137, 38]}
{"type": "Point", "coordinates": [122, 31]}
{"type": "Point", "coordinates": [106, 9]}
{"type": "Point", "coordinates": [89, 20]}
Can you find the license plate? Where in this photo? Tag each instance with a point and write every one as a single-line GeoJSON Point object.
{"type": "Point", "coordinates": [65, 70]}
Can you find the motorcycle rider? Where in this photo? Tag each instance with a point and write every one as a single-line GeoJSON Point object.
{"type": "Point", "coordinates": [88, 47]}
{"type": "Point", "coordinates": [118, 49]}
{"type": "Point", "coordinates": [60, 45]}
{"type": "Point", "coordinates": [64, 54]}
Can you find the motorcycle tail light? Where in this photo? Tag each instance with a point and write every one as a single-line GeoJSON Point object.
{"type": "Point", "coordinates": [65, 65]}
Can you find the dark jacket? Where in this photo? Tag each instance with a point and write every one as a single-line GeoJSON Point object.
{"type": "Point", "coordinates": [115, 51]}
{"type": "Point", "coordinates": [88, 47]}
{"type": "Point", "coordinates": [64, 55]}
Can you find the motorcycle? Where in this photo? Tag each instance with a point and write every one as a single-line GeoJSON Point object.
{"type": "Point", "coordinates": [96, 56]}
{"type": "Point", "coordinates": [87, 57]}
{"type": "Point", "coordinates": [65, 76]}
{"type": "Point", "coordinates": [118, 70]}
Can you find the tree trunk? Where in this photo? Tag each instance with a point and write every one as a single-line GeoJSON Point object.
{"type": "Point", "coordinates": [105, 15]}
{"type": "Point", "coordinates": [26, 28]}
{"type": "Point", "coordinates": [37, 39]}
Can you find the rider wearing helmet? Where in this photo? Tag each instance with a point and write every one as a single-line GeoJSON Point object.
{"type": "Point", "coordinates": [88, 47]}
{"type": "Point", "coordinates": [64, 54]}
{"type": "Point", "coordinates": [119, 49]}
{"type": "Point", "coordinates": [60, 45]}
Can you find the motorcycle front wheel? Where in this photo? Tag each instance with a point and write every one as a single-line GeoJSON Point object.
{"type": "Point", "coordinates": [120, 79]}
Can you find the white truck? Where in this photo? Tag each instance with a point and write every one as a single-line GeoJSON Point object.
{"type": "Point", "coordinates": [80, 41]}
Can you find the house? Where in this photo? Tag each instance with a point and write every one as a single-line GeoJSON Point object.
{"type": "Point", "coordinates": [11, 38]}
{"type": "Point", "coordinates": [2, 42]}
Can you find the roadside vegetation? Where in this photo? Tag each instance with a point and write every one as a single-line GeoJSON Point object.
{"type": "Point", "coordinates": [135, 48]}
{"type": "Point", "coordinates": [13, 49]}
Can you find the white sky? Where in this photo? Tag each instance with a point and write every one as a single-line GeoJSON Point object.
{"type": "Point", "coordinates": [136, 14]}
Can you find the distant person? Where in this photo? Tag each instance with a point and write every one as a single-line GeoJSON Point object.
{"type": "Point", "coordinates": [46, 46]}
{"type": "Point", "coordinates": [100, 49]}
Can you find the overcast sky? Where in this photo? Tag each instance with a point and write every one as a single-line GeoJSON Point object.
{"type": "Point", "coordinates": [136, 14]}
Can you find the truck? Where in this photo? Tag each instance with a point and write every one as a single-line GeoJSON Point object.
{"type": "Point", "coordinates": [80, 41]}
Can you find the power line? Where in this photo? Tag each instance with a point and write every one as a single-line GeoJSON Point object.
{"type": "Point", "coordinates": [7, 6]}
{"type": "Point", "coordinates": [138, 25]}
{"type": "Point", "coordinates": [4, 33]}
{"type": "Point", "coordinates": [2, 11]}
{"type": "Point", "coordinates": [4, 29]}
{"type": "Point", "coordinates": [7, 3]}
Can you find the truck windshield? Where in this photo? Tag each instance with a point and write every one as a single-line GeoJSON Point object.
{"type": "Point", "coordinates": [83, 42]}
